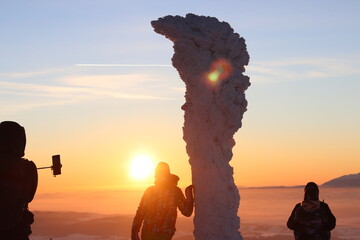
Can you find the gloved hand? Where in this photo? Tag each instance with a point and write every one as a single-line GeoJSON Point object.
{"type": "Point", "coordinates": [189, 193]}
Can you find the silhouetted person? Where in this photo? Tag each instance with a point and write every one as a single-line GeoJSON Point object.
{"type": "Point", "coordinates": [157, 211]}
{"type": "Point", "coordinates": [311, 219]}
{"type": "Point", "coordinates": [18, 183]}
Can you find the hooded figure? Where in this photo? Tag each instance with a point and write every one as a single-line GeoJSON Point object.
{"type": "Point", "coordinates": [18, 183]}
{"type": "Point", "coordinates": [157, 211]}
{"type": "Point", "coordinates": [311, 219]}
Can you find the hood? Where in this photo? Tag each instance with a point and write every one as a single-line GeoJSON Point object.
{"type": "Point", "coordinates": [167, 181]}
{"type": "Point", "coordinates": [12, 139]}
{"type": "Point", "coordinates": [310, 205]}
{"type": "Point", "coordinates": [174, 179]}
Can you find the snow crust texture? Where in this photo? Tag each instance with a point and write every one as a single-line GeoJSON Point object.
{"type": "Point", "coordinates": [210, 59]}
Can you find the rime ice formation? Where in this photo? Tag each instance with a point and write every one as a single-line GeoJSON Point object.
{"type": "Point", "coordinates": [210, 59]}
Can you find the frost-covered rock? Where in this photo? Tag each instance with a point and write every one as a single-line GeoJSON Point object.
{"type": "Point", "coordinates": [210, 59]}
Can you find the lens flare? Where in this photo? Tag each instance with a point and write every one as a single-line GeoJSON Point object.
{"type": "Point", "coordinates": [220, 70]}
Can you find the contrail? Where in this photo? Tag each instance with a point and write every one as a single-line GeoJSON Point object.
{"type": "Point", "coordinates": [120, 65]}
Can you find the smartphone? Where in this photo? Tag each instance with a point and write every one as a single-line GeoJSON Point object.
{"type": "Point", "coordinates": [56, 165]}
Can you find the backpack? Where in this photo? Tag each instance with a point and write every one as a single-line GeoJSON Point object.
{"type": "Point", "coordinates": [313, 223]}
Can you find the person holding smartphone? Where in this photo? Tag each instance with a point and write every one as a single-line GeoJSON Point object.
{"type": "Point", "coordinates": [18, 183]}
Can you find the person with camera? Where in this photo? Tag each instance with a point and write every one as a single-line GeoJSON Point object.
{"type": "Point", "coordinates": [157, 212]}
{"type": "Point", "coordinates": [18, 183]}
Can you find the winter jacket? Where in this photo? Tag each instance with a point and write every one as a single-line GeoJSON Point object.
{"type": "Point", "coordinates": [157, 211]}
{"type": "Point", "coordinates": [311, 220]}
{"type": "Point", "coordinates": [18, 183]}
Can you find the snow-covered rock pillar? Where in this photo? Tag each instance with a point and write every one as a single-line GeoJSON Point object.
{"type": "Point", "coordinates": [210, 59]}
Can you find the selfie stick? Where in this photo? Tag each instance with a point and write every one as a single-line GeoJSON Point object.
{"type": "Point", "coordinates": [56, 167]}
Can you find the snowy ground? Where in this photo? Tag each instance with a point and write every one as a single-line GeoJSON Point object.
{"type": "Point", "coordinates": [86, 226]}
{"type": "Point", "coordinates": [263, 213]}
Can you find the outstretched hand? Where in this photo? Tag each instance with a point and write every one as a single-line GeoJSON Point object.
{"type": "Point", "coordinates": [189, 193]}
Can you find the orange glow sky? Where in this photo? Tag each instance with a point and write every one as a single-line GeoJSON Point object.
{"type": "Point", "coordinates": [303, 117]}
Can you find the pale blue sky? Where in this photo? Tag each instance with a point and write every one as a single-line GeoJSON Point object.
{"type": "Point", "coordinates": [304, 68]}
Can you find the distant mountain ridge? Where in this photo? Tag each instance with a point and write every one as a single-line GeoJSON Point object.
{"type": "Point", "coordinates": [351, 180]}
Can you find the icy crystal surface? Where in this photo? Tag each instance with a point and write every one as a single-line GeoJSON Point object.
{"type": "Point", "coordinates": [210, 59]}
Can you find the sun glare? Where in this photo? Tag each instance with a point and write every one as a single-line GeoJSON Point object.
{"type": "Point", "coordinates": [141, 167]}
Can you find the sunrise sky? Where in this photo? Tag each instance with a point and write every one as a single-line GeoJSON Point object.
{"type": "Point", "coordinates": [303, 115]}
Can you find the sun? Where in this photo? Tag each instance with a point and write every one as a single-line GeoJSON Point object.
{"type": "Point", "coordinates": [141, 167]}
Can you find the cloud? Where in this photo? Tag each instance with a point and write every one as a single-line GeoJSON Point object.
{"type": "Point", "coordinates": [34, 73]}
{"type": "Point", "coordinates": [12, 108]}
{"type": "Point", "coordinates": [181, 89]}
{"type": "Point", "coordinates": [31, 89]}
{"type": "Point", "coordinates": [127, 86]}
{"type": "Point", "coordinates": [62, 95]}
{"type": "Point", "coordinates": [301, 69]}
{"type": "Point", "coordinates": [68, 85]}
{"type": "Point", "coordinates": [82, 87]}
{"type": "Point", "coordinates": [62, 88]}
{"type": "Point", "coordinates": [106, 81]}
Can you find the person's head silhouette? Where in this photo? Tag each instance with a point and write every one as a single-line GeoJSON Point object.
{"type": "Point", "coordinates": [311, 192]}
{"type": "Point", "coordinates": [162, 170]}
{"type": "Point", "coordinates": [12, 139]}
{"type": "Point", "coordinates": [162, 174]}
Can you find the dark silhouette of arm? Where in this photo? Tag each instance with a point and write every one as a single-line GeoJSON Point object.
{"type": "Point", "coordinates": [292, 223]}
{"type": "Point", "coordinates": [31, 181]}
{"type": "Point", "coordinates": [330, 220]}
{"type": "Point", "coordinates": [185, 205]}
{"type": "Point", "coordinates": [140, 214]}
